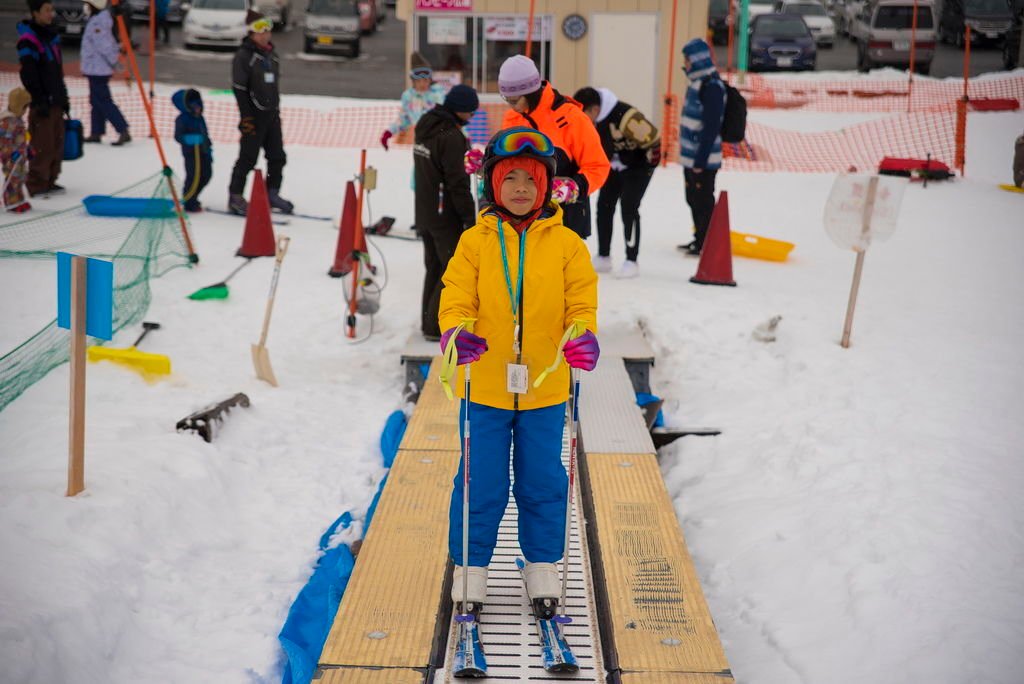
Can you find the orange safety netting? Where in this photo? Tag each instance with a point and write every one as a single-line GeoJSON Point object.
{"type": "Point", "coordinates": [930, 128]}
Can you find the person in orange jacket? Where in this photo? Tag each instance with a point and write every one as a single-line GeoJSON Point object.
{"type": "Point", "coordinates": [582, 165]}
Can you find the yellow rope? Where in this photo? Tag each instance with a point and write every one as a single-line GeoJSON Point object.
{"type": "Point", "coordinates": [575, 329]}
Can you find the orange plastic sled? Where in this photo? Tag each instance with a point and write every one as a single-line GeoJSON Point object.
{"type": "Point", "coordinates": [757, 247]}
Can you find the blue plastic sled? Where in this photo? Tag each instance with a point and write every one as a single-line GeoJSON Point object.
{"type": "Point", "coordinates": [141, 207]}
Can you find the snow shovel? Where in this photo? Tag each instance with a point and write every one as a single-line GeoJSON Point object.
{"type": "Point", "coordinates": [144, 362]}
{"type": "Point", "coordinates": [218, 290]}
{"type": "Point", "coordinates": [260, 355]}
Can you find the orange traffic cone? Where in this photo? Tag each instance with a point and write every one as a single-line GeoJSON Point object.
{"type": "Point", "coordinates": [258, 240]}
{"type": "Point", "coordinates": [715, 267]}
{"type": "Point", "coordinates": [346, 234]}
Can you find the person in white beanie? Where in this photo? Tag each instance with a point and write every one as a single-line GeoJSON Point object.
{"type": "Point", "coordinates": [582, 165]}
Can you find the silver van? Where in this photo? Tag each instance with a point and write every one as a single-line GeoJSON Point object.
{"type": "Point", "coordinates": [882, 31]}
{"type": "Point", "coordinates": [331, 24]}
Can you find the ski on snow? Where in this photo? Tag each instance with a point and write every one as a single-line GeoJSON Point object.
{"type": "Point", "coordinates": [277, 219]}
{"type": "Point", "coordinates": [554, 650]}
{"type": "Point", "coordinates": [273, 217]}
{"type": "Point", "coordinates": [470, 661]}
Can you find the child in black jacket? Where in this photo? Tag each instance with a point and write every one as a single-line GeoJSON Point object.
{"type": "Point", "coordinates": [190, 132]}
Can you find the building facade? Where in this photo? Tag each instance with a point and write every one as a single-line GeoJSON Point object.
{"type": "Point", "coordinates": [622, 45]}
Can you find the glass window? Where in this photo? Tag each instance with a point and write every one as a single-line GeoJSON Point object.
{"type": "Point", "coordinates": [780, 26]}
{"type": "Point", "coordinates": [335, 8]}
{"type": "Point", "coordinates": [902, 16]}
{"type": "Point", "coordinates": [807, 9]}
{"type": "Point", "coordinates": [471, 49]}
{"type": "Point", "coordinates": [220, 4]}
{"type": "Point", "coordinates": [447, 43]}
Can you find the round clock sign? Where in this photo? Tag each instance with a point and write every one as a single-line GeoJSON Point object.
{"type": "Point", "coordinates": [574, 27]}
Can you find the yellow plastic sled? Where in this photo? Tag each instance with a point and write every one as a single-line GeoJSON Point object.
{"type": "Point", "coordinates": [1011, 188]}
{"type": "Point", "coordinates": [757, 247]}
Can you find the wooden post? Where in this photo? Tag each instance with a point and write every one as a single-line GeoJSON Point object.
{"type": "Point", "coordinates": [865, 228]}
{"type": "Point", "coordinates": [76, 435]}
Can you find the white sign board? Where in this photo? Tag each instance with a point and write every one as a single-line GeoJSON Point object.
{"type": "Point", "coordinates": [514, 28]}
{"type": "Point", "coordinates": [845, 219]}
{"type": "Point", "coordinates": [448, 78]}
{"type": "Point", "coordinates": [446, 31]}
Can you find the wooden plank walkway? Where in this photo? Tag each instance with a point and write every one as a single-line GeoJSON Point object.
{"type": "Point", "coordinates": [656, 623]}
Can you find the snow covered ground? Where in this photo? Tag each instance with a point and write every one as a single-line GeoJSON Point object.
{"type": "Point", "coordinates": [858, 520]}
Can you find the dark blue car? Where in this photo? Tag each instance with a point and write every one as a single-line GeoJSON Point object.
{"type": "Point", "coordinates": [781, 42]}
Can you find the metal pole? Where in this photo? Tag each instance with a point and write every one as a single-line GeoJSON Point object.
{"type": "Point", "coordinates": [465, 497]}
{"type": "Point", "coordinates": [913, 51]}
{"type": "Point", "coordinates": [574, 426]}
{"type": "Point", "coordinates": [667, 125]}
{"type": "Point", "coordinates": [742, 47]}
{"type": "Point", "coordinates": [126, 44]}
{"type": "Point", "coordinates": [529, 32]}
{"type": "Point", "coordinates": [152, 55]}
{"type": "Point", "coordinates": [730, 42]}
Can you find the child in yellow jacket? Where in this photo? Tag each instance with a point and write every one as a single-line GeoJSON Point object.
{"type": "Point", "coordinates": [519, 278]}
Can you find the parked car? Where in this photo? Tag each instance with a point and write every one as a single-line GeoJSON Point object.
{"type": "Point", "coordinates": [275, 10]}
{"type": "Point", "coordinates": [883, 29]}
{"type": "Point", "coordinates": [814, 15]}
{"type": "Point", "coordinates": [988, 19]}
{"type": "Point", "coordinates": [718, 21]}
{"type": "Point", "coordinates": [140, 11]}
{"type": "Point", "coordinates": [331, 24]}
{"type": "Point", "coordinates": [69, 19]}
{"type": "Point", "coordinates": [371, 14]}
{"type": "Point", "coordinates": [781, 42]}
{"type": "Point", "coordinates": [215, 23]}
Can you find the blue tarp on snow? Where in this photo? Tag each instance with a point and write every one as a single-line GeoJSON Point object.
{"type": "Point", "coordinates": [643, 399]}
{"type": "Point", "coordinates": [312, 614]}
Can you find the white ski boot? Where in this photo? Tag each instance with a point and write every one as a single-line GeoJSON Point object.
{"type": "Point", "coordinates": [544, 587]}
{"type": "Point", "coordinates": [477, 590]}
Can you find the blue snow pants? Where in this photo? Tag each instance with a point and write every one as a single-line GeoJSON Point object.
{"type": "Point", "coordinates": [103, 107]}
{"type": "Point", "coordinates": [534, 440]}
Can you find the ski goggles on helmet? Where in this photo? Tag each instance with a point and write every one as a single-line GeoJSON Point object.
{"type": "Point", "coordinates": [263, 25]}
{"type": "Point", "coordinates": [421, 72]}
{"type": "Point", "coordinates": [518, 140]}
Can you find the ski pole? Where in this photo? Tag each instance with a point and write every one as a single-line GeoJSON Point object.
{"type": "Point", "coordinates": [465, 616]}
{"type": "Point", "coordinates": [574, 423]}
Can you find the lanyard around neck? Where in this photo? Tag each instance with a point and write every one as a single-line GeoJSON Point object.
{"type": "Point", "coordinates": [513, 296]}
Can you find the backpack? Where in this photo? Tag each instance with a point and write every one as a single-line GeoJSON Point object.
{"type": "Point", "coordinates": [734, 119]}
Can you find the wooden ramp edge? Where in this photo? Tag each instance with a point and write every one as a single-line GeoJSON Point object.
{"type": "Point", "coordinates": [655, 621]}
{"type": "Point", "coordinates": [391, 609]}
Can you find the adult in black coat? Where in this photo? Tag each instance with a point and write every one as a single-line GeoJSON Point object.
{"type": "Point", "coordinates": [444, 200]}
{"type": "Point", "coordinates": [634, 150]}
{"type": "Point", "coordinates": [42, 74]}
{"type": "Point", "coordinates": [255, 76]}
